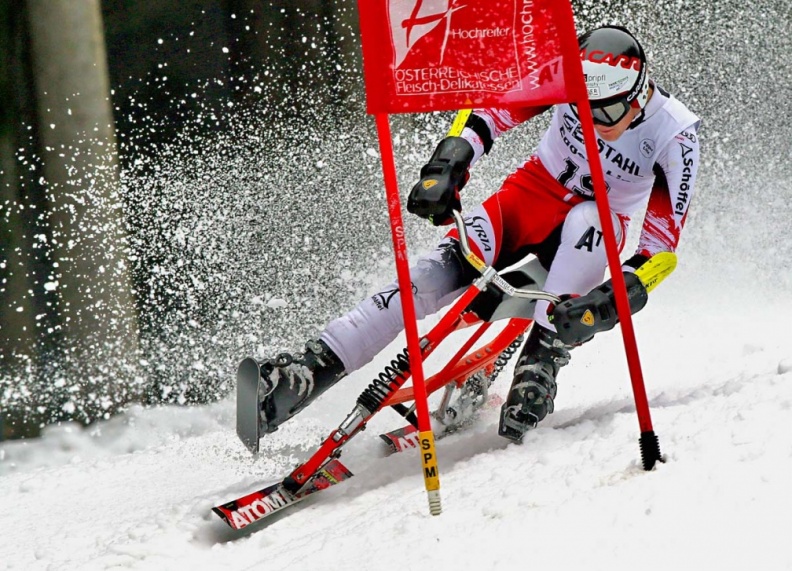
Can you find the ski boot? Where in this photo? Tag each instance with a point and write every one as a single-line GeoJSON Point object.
{"type": "Point", "coordinates": [534, 388]}
{"type": "Point", "coordinates": [289, 382]}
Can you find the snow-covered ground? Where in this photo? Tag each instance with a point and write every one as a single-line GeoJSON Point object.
{"type": "Point", "coordinates": [135, 492]}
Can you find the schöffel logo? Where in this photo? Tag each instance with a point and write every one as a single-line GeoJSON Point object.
{"type": "Point", "coordinates": [383, 299]}
{"type": "Point", "coordinates": [412, 20]}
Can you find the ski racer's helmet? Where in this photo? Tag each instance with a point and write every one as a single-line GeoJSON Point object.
{"type": "Point", "coordinates": [614, 64]}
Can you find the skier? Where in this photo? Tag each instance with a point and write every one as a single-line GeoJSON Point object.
{"type": "Point", "coordinates": [649, 150]}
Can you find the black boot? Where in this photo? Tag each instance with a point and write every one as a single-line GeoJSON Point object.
{"type": "Point", "coordinates": [534, 386]}
{"type": "Point", "coordinates": [292, 382]}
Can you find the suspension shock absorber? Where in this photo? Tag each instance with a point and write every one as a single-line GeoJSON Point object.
{"type": "Point", "coordinates": [387, 382]}
{"type": "Point", "coordinates": [370, 400]}
{"type": "Point", "coordinates": [504, 357]}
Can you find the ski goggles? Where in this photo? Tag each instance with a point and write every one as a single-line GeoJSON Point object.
{"type": "Point", "coordinates": [608, 112]}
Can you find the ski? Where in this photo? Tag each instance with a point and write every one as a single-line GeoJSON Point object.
{"type": "Point", "coordinates": [260, 504]}
{"type": "Point", "coordinates": [401, 439]}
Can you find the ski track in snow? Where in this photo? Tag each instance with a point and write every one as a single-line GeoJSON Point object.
{"type": "Point", "coordinates": [136, 492]}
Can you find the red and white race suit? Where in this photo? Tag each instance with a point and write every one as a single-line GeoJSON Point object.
{"type": "Point", "coordinates": [546, 208]}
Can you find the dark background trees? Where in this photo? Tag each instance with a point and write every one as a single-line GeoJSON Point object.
{"type": "Point", "coordinates": [90, 89]}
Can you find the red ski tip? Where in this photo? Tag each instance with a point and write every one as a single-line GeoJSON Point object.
{"type": "Point", "coordinates": [257, 505]}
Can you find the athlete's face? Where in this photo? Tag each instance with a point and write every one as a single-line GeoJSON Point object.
{"type": "Point", "coordinates": [613, 132]}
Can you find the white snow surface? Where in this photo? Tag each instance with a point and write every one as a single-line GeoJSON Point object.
{"type": "Point", "coordinates": [136, 492]}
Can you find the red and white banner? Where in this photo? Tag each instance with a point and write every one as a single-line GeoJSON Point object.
{"type": "Point", "coordinates": [434, 55]}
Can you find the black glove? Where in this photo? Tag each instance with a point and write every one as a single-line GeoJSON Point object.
{"type": "Point", "coordinates": [437, 193]}
{"type": "Point", "coordinates": [578, 319]}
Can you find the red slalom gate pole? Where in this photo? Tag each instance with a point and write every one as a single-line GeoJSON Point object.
{"type": "Point", "coordinates": [650, 446]}
{"type": "Point", "coordinates": [426, 436]}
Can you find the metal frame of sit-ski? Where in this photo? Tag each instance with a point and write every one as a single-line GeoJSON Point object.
{"type": "Point", "coordinates": [492, 297]}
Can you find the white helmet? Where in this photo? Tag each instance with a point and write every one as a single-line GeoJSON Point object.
{"type": "Point", "coordinates": [614, 65]}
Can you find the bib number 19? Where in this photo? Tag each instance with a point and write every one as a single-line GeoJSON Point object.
{"type": "Point", "coordinates": [586, 187]}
